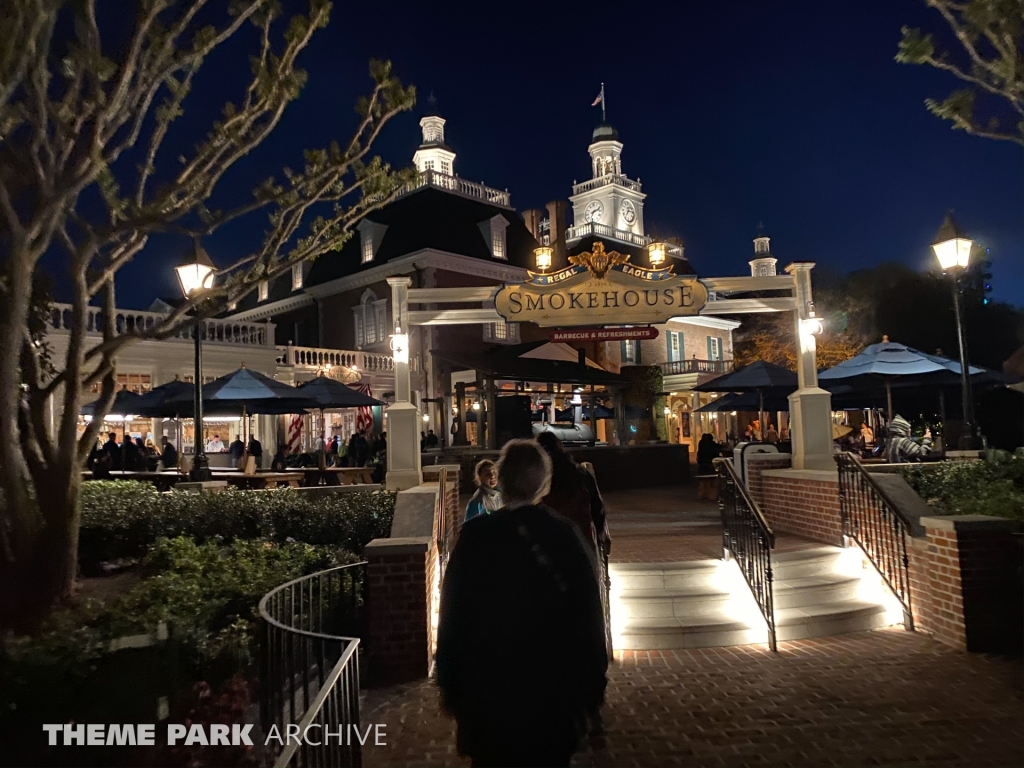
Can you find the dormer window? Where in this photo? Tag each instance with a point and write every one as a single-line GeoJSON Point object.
{"type": "Point", "coordinates": [370, 236]}
{"type": "Point", "coordinates": [493, 231]}
{"type": "Point", "coordinates": [263, 290]}
{"type": "Point", "coordinates": [296, 276]}
{"type": "Point", "coordinates": [446, 167]}
{"type": "Point", "coordinates": [428, 165]}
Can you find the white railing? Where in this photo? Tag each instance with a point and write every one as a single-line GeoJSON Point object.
{"type": "Point", "coordinates": [608, 178]}
{"type": "Point", "coordinates": [127, 321]}
{"type": "Point", "coordinates": [320, 357]}
{"type": "Point", "coordinates": [603, 230]}
{"type": "Point", "coordinates": [459, 186]}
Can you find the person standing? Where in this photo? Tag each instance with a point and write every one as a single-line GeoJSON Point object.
{"type": "Point", "coordinates": [773, 434]}
{"type": "Point", "coordinates": [236, 450]}
{"type": "Point", "coordinates": [521, 657]}
{"type": "Point", "coordinates": [256, 451]}
{"type": "Point", "coordinates": [215, 445]}
{"type": "Point", "coordinates": [130, 458]}
{"type": "Point", "coordinates": [113, 450]}
{"type": "Point", "coordinates": [169, 454]}
{"type": "Point", "coordinates": [568, 494]}
{"type": "Point", "coordinates": [899, 448]}
{"type": "Point", "coordinates": [487, 498]}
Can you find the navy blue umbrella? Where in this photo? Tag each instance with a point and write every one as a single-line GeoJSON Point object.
{"type": "Point", "coordinates": [125, 403]}
{"type": "Point", "coordinates": [247, 391]}
{"type": "Point", "coordinates": [331, 393]}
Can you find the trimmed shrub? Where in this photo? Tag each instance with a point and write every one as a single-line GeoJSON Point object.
{"type": "Point", "coordinates": [123, 519]}
{"type": "Point", "coordinates": [994, 486]}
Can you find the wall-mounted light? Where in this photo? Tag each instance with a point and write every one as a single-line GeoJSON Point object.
{"type": "Point", "coordinates": [543, 257]}
{"type": "Point", "coordinates": [656, 253]}
{"type": "Point", "coordinates": [811, 326]}
{"type": "Point", "coordinates": [400, 345]}
{"type": "Point", "coordinates": [667, 410]}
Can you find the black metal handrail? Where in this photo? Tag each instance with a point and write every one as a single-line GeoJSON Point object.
{"type": "Point", "coordinates": [878, 526]}
{"type": "Point", "coordinates": [747, 536]}
{"type": "Point", "coordinates": [309, 665]}
{"type": "Point", "coordinates": [441, 522]}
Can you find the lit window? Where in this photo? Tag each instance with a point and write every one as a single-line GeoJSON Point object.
{"type": "Point", "coordinates": [498, 242]}
{"type": "Point", "coordinates": [714, 348]}
{"type": "Point", "coordinates": [675, 346]}
{"type": "Point", "coordinates": [367, 245]}
{"type": "Point", "coordinates": [446, 167]}
{"type": "Point", "coordinates": [629, 351]}
{"type": "Point", "coordinates": [502, 333]}
{"type": "Point", "coordinates": [263, 290]}
{"type": "Point", "coordinates": [428, 165]}
{"type": "Point", "coordinates": [296, 276]}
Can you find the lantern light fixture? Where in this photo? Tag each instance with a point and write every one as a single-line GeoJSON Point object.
{"type": "Point", "coordinates": [197, 272]}
{"type": "Point", "coordinates": [952, 247]}
{"type": "Point", "coordinates": [656, 252]}
{"type": "Point", "coordinates": [543, 256]}
{"type": "Point", "coordinates": [400, 345]}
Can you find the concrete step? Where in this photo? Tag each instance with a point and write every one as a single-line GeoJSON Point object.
{"type": "Point", "coordinates": [814, 590]}
{"type": "Point", "coordinates": [805, 562]}
{"type": "Point", "coordinates": [674, 633]}
{"type": "Point", "coordinates": [681, 575]}
{"type": "Point", "coordinates": [679, 602]}
{"type": "Point", "coordinates": [827, 619]}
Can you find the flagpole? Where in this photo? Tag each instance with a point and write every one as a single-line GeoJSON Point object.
{"type": "Point", "coordinates": [604, 114]}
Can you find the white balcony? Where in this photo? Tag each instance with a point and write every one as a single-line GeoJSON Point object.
{"type": "Point", "coordinates": [321, 358]}
{"type": "Point", "coordinates": [603, 181]}
{"type": "Point", "coordinates": [603, 230]}
{"type": "Point", "coordinates": [458, 186]}
{"type": "Point", "coordinates": [127, 321]}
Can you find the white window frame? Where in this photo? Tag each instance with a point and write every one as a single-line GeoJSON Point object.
{"type": "Point", "coordinates": [263, 290]}
{"type": "Point", "coordinates": [366, 241]}
{"type": "Point", "coordinates": [675, 346]}
{"type": "Point", "coordinates": [428, 165]}
{"type": "Point", "coordinates": [446, 167]}
{"type": "Point", "coordinates": [629, 349]}
{"type": "Point", "coordinates": [715, 348]}
{"type": "Point", "coordinates": [501, 333]}
{"type": "Point", "coordinates": [297, 276]}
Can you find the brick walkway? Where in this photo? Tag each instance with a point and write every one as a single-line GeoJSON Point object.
{"type": "Point", "coordinates": [883, 698]}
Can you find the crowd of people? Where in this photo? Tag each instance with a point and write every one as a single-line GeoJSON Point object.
{"type": "Point", "coordinates": [524, 582]}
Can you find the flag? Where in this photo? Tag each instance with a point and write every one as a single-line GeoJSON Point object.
{"type": "Point", "coordinates": [600, 98]}
{"type": "Point", "coordinates": [364, 416]}
{"type": "Point", "coordinates": [294, 433]}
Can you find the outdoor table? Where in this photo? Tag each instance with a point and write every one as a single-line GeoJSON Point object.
{"type": "Point", "coordinates": [163, 481]}
{"type": "Point", "coordinates": [260, 480]}
{"type": "Point", "coordinates": [336, 475]}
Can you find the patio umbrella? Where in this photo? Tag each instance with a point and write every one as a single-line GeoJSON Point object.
{"type": "Point", "coordinates": [154, 402]}
{"type": "Point", "coordinates": [745, 401]}
{"type": "Point", "coordinates": [889, 363]}
{"type": "Point", "coordinates": [125, 403]}
{"type": "Point", "coordinates": [600, 411]}
{"type": "Point", "coordinates": [761, 377]}
{"type": "Point", "coordinates": [331, 393]}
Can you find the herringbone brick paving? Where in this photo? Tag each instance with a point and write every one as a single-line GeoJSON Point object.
{"type": "Point", "coordinates": [882, 698]}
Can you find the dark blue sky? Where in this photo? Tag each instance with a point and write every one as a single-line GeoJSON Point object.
{"type": "Point", "coordinates": [790, 113]}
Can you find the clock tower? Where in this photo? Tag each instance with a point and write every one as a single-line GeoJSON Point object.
{"type": "Point", "coordinates": [610, 199]}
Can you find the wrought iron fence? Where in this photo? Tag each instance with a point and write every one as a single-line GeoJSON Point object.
{"type": "Point", "coordinates": [747, 536]}
{"type": "Point", "coordinates": [309, 666]}
{"type": "Point", "coordinates": [872, 520]}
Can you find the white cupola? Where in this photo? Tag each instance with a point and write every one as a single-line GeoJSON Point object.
{"type": "Point", "coordinates": [433, 154]}
{"type": "Point", "coordinates": [763, 263]}
{"type": "Point", "coordinates": [610, 204]}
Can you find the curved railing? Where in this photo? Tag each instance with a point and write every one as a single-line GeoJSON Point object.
{"type": "Point", "coordinates": [748, 537]}
{"type": "Point", "coordinates": [309, 666]}
{"type": "Point", "coordinates": [878, 526]}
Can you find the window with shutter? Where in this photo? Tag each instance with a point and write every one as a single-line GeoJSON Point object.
{"type": "Point", "coordinates": [675, 345]}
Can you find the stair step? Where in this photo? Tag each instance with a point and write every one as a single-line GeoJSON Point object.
{"type": "Point", "coordinates": [808, 562]}
{"type": "Point", "coordinates": [672, 633]}
{"type": "Point", "coordinates": [827, 619]}
{"type": "Point", "coordinates": [689, 601]}
{"type": "Point", "coordinates": [814, 590]}
{"type": "Point", "coordinates": [682, 575]}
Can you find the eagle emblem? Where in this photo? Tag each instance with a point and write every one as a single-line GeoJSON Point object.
{"type": "Point", "coordinates": [598, 261]}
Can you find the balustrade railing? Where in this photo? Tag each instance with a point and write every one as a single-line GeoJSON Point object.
{"type": "Point", "coordinates": [127, 321]}
{"type": "Point", "coordinates": [875, 523]}
{"type": "Point", "coordinates": [459, 186]}
{"type": "Point", "coordinates": [603, 230]}
{"type": "Point", "coordinates": [696, 366]}
{"type": "Point", "coordinates": [747, 536]}
{"type": "Point", "coordinates": [309, 665]}
{"type": "Point", "coordinates": [602, 181]}
{"type": "Point", "coordinates": [322, 357]}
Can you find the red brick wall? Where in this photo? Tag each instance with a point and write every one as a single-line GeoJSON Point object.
{"type": "Point", "coordinates": [401, 582]}
{"type": "Point", "coordinates": [755, 467]}
{"type": "Point", "coordinates": [936, 595]}
{"type": "Point", "coordinates": [808, 508]}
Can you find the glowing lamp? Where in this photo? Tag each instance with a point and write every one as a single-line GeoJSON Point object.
{"type": "Point", "coordinates": [543, 257]}
{"type": "Point", "coordinates": [197, 273]}
{"type": "Point", "coordinates": [667, 410]}
{"type": "Point", "coordinates": [426, 417]}
{"type": "Point", "coordinates": [400, 346]}
{"type": "Point", "coordinates": [811, 326]}
{"type": "Point", "coordinates": [656, 253]}
{"type": "Point", "coordinates": [476, 406]}
{"type": "Point", "coordinates": [952, 248]}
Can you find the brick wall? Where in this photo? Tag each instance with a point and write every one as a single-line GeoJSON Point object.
{"type": "Point", "coordinates": [401, 579]}
{"type": "Point", "coordinates": [757, 464]}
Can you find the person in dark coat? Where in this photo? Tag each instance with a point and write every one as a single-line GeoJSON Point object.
{"type": "Point", "coordinates": [113, 450]}
{"type": "Point", "coordinates": [256, 451]}
{"type": "Point", "coordinates": [707, 451]}
{"type": "Point", "coordinates": [130, 456]}
{"type": "Point", "coordinates": [169, 454]}
{"type": "Point", "coordinates": [280, 462]}
{"type": "Point", "coordinates": [236, 450]}
{"type": "Point", "coordinates": [569, 495]}
{"type": "Point", "coordinates": [521, 657]}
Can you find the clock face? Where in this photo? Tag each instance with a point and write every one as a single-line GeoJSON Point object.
{"type": "Point", "coordinates": [628, 212]}
{"type": "Point", "coordinates": [593, 212]}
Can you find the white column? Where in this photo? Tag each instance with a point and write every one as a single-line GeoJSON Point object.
{"type": "Point", "coordinates": [404, 422]}
{"type": "Point", "coordinates": [810, 407]}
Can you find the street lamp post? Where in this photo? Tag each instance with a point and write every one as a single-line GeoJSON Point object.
{"type": "Point", "coordinates": [953, 250]}
{"type": "Point", "coordinates": [196, 275]}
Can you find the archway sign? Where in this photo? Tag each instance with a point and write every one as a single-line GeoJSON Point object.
{"type": "Point", "coordinates": [602, 289]}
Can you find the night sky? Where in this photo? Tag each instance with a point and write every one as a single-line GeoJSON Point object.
{"type": "Point", "coordinates": [791, 114]}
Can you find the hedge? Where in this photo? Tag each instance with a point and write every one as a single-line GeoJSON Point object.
{"type": "Point", "coordinates": [994, 486]}
{"type": "Point", "coordinates": [122, 519]}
